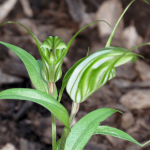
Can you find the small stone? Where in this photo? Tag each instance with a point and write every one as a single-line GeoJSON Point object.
{"type": "Point", "coordinates": [130, 37]}
{"type": "Point", "coordinates": [143, 69]}
{"type": "Point", "coordinates": [8, 146]}
{"type": "Point", "coordinates": [127, 120]}
{"type": "Point", "coordinates": [64, 34]}
{"type": "Point", "coordinates": [133, 147]}
{"type": "Point", "coordinates": [15, 68]}
{"type": "Point", "coordinates": [13, 55]}
{"type": "Point", "coordinates": [7, 79]}
{"type": "Point", "coordinates": [111, 16]}
{"type": "Point", "coordinates": [3, 129]}
{"type": "Point", "coordinates": [87, 19]}
{"type": "Point", "coordinates": [136, 99]}
{"type": "Point", "coordinates": [27, 145]}
{"type": "Point", "coordinates": [94, 101]}
{"type": "Point", "coordinates": [47, 136]}
{"type": "Point", "coordinates": [73, 6]}
{"type": "Point", "coordinates": [126, 71]}
{"type": "Point", "coordinates": [43, 31]}
{"type": "Point", "coordinates": [113, 140]}
{"type": "Point", "coordinates": [96, 47]}
{"type": "Point", "coordinates": [95, 146]}
{"type": "Point", "coordinates": [133, 129]}
{"type": "Point", "coordinates": [121, 83]}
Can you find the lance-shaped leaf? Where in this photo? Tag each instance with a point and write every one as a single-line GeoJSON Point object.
{"type": "Point", "coordinates": [85, 127]}
{"type": "Point", "coordinates": [31, 66]}
{"type": "Point", "coordinates": [106, 130]}
{"type": "Point", "coordinates": [38, 97]}
{"type": "Point", "coordinates": [94, 71]}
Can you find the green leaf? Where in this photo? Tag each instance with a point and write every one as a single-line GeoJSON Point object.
{"type": "Point", "coordinates": [31, 66]}
{"type": "Point", "coordinates": [85, 127]}
{"type": "Point", "coordinates": [106, 130]}
{"type": "Point", "coordinates": [38, 97]}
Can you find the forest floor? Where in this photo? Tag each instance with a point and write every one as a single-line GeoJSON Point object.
{"type": "Point", "coordinates": [26, 125]}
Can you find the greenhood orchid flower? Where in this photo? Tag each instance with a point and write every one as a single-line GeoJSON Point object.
{"type": "Point", "coordinates": [92, 72]}
{"type": "Point", "coordinates": [52, 50]}
{"type": "Point", "coordinates": [83, 79]}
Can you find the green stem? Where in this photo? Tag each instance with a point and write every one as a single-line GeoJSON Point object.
{"type": "Point", "coordinates": [51, 92]}
{"type": "Point", "coordinates": [64, 136]}
{"type": "Point", "coordinates": [75, 108]}
{"type": "Point", "coordinates": [53, 131]}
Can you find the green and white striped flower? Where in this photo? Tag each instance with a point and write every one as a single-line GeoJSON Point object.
{"type": "Point", "coordinates": [94, 71]}
{"type": "Point", "coordinates": [52, 56]}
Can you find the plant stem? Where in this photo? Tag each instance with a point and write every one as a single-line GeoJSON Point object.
{"type": "Point", "coordinates": [53, 131]}
{"type": "Point", "coordinates": [64, 136]}
{"type": "Point", "coordinates": [51, 92]}
{"type": "Point", "coordinates": [75, 108]}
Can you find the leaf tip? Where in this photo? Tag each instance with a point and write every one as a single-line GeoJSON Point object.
{"type": "Point", "coordinates": [146, 1]}
{"type": "Point", "coordinates": [119, 111]}
{"type": "Point", "coordinates": [88, 51]}
{"type": "Point", "coordinates": [103, 21]}
{"type": "Point", "coordinates": [146, 143]}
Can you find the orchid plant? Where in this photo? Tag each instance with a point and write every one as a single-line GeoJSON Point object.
{"type": "Point", "coordinates": [83, 79]}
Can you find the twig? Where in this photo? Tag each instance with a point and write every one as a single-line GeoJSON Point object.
{"type": "Point", "coordinates": [26, 8]}
{"type": "Point", "coordinates": [6, 8]}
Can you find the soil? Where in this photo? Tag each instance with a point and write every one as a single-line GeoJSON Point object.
{"type": "Point", "coordinates": [27, 125]}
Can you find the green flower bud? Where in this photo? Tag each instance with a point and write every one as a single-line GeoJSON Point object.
{"type": "Point", "coordinates": [52, 57]}
{"type": "Point", "coordinates": [94, 71]}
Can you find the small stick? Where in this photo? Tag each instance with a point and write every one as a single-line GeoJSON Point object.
{"type": "Point", "coordinates": [75, 108]}
{"type": "Point", "coordinates": [26, 8]}
{"type": "Point", "coordinates": [6, 8]}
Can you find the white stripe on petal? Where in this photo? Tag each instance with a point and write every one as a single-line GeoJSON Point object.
{"type": "Point", "coordinates": [101, 61]}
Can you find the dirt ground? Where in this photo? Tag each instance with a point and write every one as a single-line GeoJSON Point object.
{"type": "Point", "coordinates": [26, 125]}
